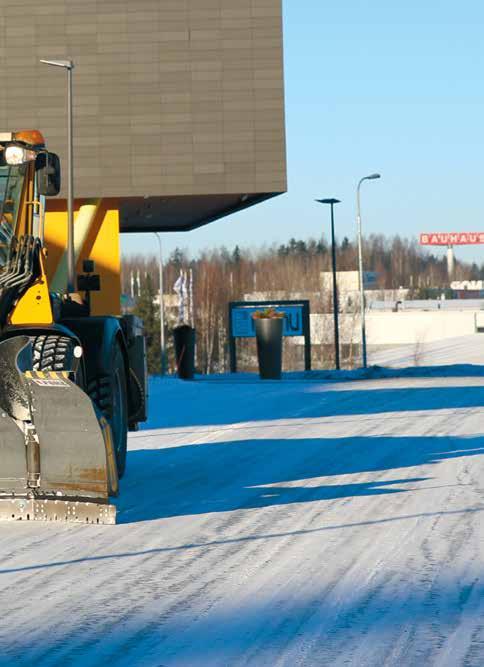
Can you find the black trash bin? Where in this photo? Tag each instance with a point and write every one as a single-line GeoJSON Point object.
{"type": "Point", "coordinates": [184, 336]}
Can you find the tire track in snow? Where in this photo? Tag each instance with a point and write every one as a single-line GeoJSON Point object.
{"type": "Point", "coordinates": [209, 575]}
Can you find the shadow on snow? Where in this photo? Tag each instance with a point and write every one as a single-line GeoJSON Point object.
{"type": "Point", "coordinates": [247, 474]}
{"type": "Point", "coordinates": [198, 404]}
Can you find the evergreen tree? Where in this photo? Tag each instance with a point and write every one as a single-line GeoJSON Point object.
{"type": "Point", "coordinates": [178, 258]}
{"type": "Point", "coordinates": [148, 311]}
{"type": "Point", "coordinates": [292, 246]}
{"type": "Point", "coordinates": [282, 251]}
{"type": "Point", "coordinates": [236, 255]}
{"type": "Point", "coordinates": [321, 247]}
{"type": "Point", "coordinates": [301, 248]}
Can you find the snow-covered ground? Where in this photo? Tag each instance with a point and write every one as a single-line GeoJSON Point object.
{"type": "Point", "coordinates": [304, 522]}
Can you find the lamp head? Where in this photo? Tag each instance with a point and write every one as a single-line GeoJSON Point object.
{"type": "Point", "coordinates": [68, 64]}
{"type": "Point", "coordinates": [372, 177]}
{"type": "Point", "coordinates": [328, 201]}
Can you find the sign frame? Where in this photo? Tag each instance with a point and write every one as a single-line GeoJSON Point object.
{"type": "Point", "coordinates": [278, 304]}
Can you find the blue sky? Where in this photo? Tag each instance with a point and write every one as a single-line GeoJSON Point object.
{"type": "Point", "coordinates": [394, 87]}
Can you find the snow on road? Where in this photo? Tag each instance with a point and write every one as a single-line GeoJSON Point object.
{"type": "Point", "coordinates": [270, 523]}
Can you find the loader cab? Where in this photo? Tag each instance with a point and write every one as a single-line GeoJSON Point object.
{"type": "Point", "coordinates": [28, 173]}
{"type": "Point", "coordinates": [12, 179]}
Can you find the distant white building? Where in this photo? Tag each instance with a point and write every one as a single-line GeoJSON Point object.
{"type": "Point", "coordinates": [348, 281]}
{"type": "Point", "coordinates": [349, 292]}
{"type": "Point", "coordinates": [471, 285]}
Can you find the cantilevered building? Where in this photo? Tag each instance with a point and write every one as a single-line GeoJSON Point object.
{"type": "Point", "coordinates": [179, 104]}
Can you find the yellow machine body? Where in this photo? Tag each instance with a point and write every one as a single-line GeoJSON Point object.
{"type": "Point", "coordinates": [96, 232]}
{"type": "Point", "coordinates": [34, 306]}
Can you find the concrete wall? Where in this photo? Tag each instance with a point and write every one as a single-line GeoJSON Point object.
{"type": "Point", "coordinates": [408, 328]}
{"type": "Point", "coordinates": [401, 328]}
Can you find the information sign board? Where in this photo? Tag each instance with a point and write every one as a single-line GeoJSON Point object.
{"type": "Point", "coordinates": [296, 323]}
{"type": "Point", "coordinates": [243, 325]}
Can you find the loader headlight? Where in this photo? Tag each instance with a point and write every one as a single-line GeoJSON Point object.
{"type": "Point", "coordinates": [15, 155]}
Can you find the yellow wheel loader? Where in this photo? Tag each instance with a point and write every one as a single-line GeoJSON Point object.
{"type": "Point", "coordinates": [72, 371]}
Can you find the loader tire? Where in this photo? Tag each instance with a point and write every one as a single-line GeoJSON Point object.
{"type": "Point", "coordinates": [117, 407]}
{"type": "Point", "coordinates": [51, 353]}
{"type": "Point", "coordinates": [55, 353]}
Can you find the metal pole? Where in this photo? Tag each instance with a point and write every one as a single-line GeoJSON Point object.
{"type": "Point", "coordinates": [162, 309]}
{"type": "Point", "coordinates": [332, 202]}
{"type": "Point", "coordinates": [71, 260]}
{"type": "Point", "coordinates": [371, 177]}
{"type": "Point", "coordinates": [70, 251]}
{"type": "Point", "coordinates": [335, 293]}
{"type": "Point", "coordinates": [360, 276]}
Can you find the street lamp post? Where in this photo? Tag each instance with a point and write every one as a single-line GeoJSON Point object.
{"type": "Point", "coordinates": [68, 65]}
{"type": "Point", "coordinates": [371, 177]}
{"type": "Point", "coordinates": [162, 309]}
{"type": "Point", "coordinates": [332, 202]}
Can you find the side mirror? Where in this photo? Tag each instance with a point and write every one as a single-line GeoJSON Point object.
{"type": "Point", "coordinates": [47, 167]}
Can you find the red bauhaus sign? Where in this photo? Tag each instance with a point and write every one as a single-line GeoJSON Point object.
{"type": "Point", "coordinates": [452, 238]}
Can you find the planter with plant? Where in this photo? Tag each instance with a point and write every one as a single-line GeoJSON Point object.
{"type": "Point", "coordinates": [268, 331]}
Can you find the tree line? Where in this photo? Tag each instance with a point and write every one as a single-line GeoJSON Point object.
{"type": "Point", "coordinates": [221, 275]}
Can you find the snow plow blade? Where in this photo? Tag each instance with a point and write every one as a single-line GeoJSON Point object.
{"type": "Point", "coordinates": [56, 455]}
